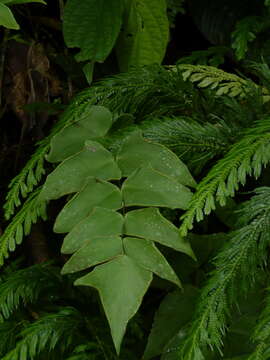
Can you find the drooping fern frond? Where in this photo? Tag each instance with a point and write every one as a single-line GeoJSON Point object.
{"type": "Point", "coordinates": [261, 334]}
{"type": "Point", "coordinates": [210, 77]}
{"type": "Point", "coordinates": [237, 266]}
{"type": "Point", "coordinates": [50, 331]}
{"type": "Point", "coordinates": [26, 285]}
{"type": "Point", "coordinates": [246, 157]}
{"type": "Point", "coordinates": [21, 224]}
{"type": "Point", "coordinates": [30, 176]}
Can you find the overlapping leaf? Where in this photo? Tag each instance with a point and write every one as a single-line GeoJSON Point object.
{"type": "Point", "coordinates": [94, 122]}
{"type": "Point", "coordinates": [102, 232]}
{"type": "Point", "coordinates": [99, 19]}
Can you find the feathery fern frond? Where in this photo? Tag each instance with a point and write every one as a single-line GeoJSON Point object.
{"type": "Point", "coordinates": [8, 335]}
{"type": "Point", "coordinates": [30, 176]}
{"type": "Point", "coordinates": [193, 142]}
{"type": "Point", "coordinates": [47, 333]}
{"type": "Point", "coordinates": [210, 77]}
{"type": "Point", "coordinates": [143, 92]}
{"type": "Point", "coordinates": [21, 224]}
{"type": "Point", "coordinates": [246, 157]}
{"type": "Point", "coordinates": [26, 285]}
{"type": "Point", "coordinates": [236, 268]}
{"type": "Point", "coordinates": [261, 334]}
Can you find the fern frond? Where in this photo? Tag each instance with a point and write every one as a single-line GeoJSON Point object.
{"type": "Point", "coordinates": [246, 157]}
{"type": "Point", "coordinates": [215, 79]}
{"type": "Point", "coordinates": [237, 267]}
{"type": "Point", "coordinates": [143, 92]}
{"type": "Point", "coordinates": [21, 224]}
{"type": "Point", "coordinates": [50, 331]}
{"type": "Point", "coordinates": [193, 142]}
{"type": "Point", "coordinates": [30, 176]}
{"type": "Point", "coordinates": [261, 334]}
{"type": "Point", "coordinates": [26, 285]}
{"type": "Point", "coordinates": [8, 335]}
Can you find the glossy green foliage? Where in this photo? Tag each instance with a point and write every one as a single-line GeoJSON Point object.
{"type": "Point", "coordinates": [99, 19]}
{"type": "Point", "coordinates": [145, 33]}
{"type": "Point", "coordinates": [121, 284]}
{"type": "Point", "coordinates": [160, 158]}
{"type": "Point", "coordinates": [138, 29]}
{"type": "Point", "coordinates": [103, 230]}
{"type": "Point", "coordinates": [7, 19]}
{"type": "Point", "coordinates": [93, 122]}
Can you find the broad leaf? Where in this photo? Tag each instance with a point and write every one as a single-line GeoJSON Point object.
{"type": "Point", "coordinates": [145, 33]}
{"type": "Point", "coordinates": [94, 122]}
{"type": "Point", "coordinates": [121, 285]}
{"type": "Point", "coordinates": [138, 152]}
{"type": "Point", "coordinates": [174, 312]}
{"type": "Point", "coordinates": [145, 254]}
{"type": "Point", "coordinates": [94, 193]}
{"type": "Point", "coordinates": [148, 187]}
{"type": "Point", "coordinates": [93, 26]}
{"type": "Point", "coordinates": [148, 223]}
{"type": "Point", "coordinates": [72, 173]}
{"type": "Point", "coordinates": [7, 19]}
{"type": "Point", "coordinates": [93, 252]}
{"type": "Point", "coordinates": [100, 223]}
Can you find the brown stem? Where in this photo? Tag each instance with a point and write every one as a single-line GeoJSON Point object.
{"type": "Point", "coordinates": [37, 244]}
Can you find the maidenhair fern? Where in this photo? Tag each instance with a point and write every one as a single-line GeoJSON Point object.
{"type": "Point", "coordinates": [246, 157]}
{"type": "Point", "coordinates": [104, 229]}
{"type": "Point", "coordinates": [117, 177]}
{"type": "Point", "coordinates": [150, 91]}
{"type": "Point", "coordinates": [237, 266]}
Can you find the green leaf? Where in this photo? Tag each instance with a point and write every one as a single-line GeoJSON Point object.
{"type": "Point", "coordinates": [94, 193]}
{"type": "Point", "coordinates": [148, 187]}
{"type": "Point", "coordinates": [138, 152]}
{"type": "Point", "coordinates": [7, 19]}
{"type": "Point", "coordinates": [145, 254]}
{"type": "Point", "coordinates": [174, 312]}
{"type": "Point", "coordinates": [150, 224]}
{"type": "Point", "coordinates": [100, 223]}
{"type": "Point", "coordinates": [93, 26]}
{"type": "Point", "coordinates": [121, 285]}
{"type": "Point", "coordinates": [72, 173]}
{"type": "Point", "coordinates": [88, 71]}
{"type": "Point", "coordinates": [93, 252]}
{"type": "Point", "coordinates": [94, 122]}
{"type": "Point", "coordinates": [145, 33]}
{"type": "Point", "coordinates": [16, 2]}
